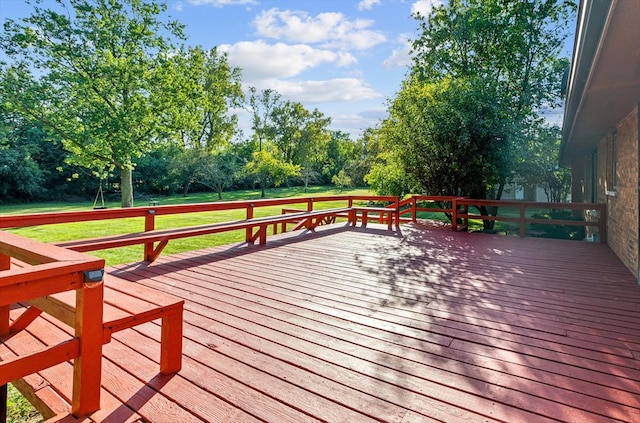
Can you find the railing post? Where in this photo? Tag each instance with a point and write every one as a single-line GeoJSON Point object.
{"type": "Point", "coordinates": [465, 210]}
{"type": "Point", "coordinates": [602, 224]}
{"type": "Point", "coordinates": [249, 230]}
{"type": "Point", "coordinates": [522, 219]}
{"type": "Point", "coordinates": [414, 209]}
{"type": "Point", "coordinates": [454, 214]}
{"type": "Point", "coordinates": [310, 204]}
{"type": "Point", "coordinates": [5, 264]}
{"type": "Point", "coordinates": [149, 225]}
{"type": "Point", "coordinates": [87, 367]}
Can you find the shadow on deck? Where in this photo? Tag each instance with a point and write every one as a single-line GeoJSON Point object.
{"type": "Point", "coordinates": [361, 325]}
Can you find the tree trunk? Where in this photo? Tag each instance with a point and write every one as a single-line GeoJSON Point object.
{"type": "Point", "coordinates": [126, 187]}
{"type": "Point", "coordinates": [490, 224]}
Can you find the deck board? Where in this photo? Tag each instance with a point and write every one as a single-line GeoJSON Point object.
{"type": "Point", "coordinates": [364, 324]}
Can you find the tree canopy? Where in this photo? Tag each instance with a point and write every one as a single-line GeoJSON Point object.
{"type": "Point", "coordinates": [107, 77]}
{"type": "Point", "coordinates": [482, 71]}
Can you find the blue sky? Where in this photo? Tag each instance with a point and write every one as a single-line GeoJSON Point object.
{"type": "Point", "coordinates": [343, 57]}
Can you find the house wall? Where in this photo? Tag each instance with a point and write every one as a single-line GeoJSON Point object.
{"type": "Point", "coordinates": [617, 185]}
{"type": "Point", "coordinates": [593, 180]}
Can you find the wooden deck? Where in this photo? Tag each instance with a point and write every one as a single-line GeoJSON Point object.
{"type": "Point", "coordinates": [357, 325]}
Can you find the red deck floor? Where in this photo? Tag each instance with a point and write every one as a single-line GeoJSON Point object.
{"type": "Point", "coordinates": [357, 325]}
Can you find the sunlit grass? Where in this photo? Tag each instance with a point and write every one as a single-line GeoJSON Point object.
{"type": "Point", "coordinates": [19, 410]}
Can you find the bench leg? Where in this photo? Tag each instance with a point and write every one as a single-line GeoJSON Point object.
{"type": "Point", "coordinates": [171, 342]}
{"type": "Point", "coordinates": [263, 234]}
{"type": "Point", "coordinates": [365, 215]}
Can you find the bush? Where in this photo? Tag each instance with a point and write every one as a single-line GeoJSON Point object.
{"type": "Point", "coordinates": [559, 231]}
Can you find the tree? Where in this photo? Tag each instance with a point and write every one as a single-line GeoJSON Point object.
{"type": "Point", "coordinates": [341, 180]}
{"type": "Point", "coordinates": [388, 177]}
{"type": "Point", "coordinates": [209, 88]}
{"type": "Point", "coordinates": [538, 162]}
{"type": "Point", "coordinates": [100, 74]}
{"type": "Point", "coordinates": [20, 175]}
{"type": "Point", "coordinates": [449, 136]}
{"type": "Point", "coordinates": [266, 168]}
{"type": "Point", "coordinates": [216, 171]}
{"type": "Point", "coordinates": [312, 146]}
{"type": "Point", "coordinates": [261, 107]}
{"type": "Point", "coordinates": [506, 51]}
{"type": "Point", "coordinates": [154, 171]}
{"type": "Point", "coordinates": [339, 151]}
{"type": "Point", "coordinates": [367, 152]}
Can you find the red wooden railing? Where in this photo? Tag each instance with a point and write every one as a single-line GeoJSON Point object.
{"type": "Point", "coordinates": [150, 213]}
{"type": "Point", "coordinates": [457, 209]}
{"type": "Point", "coordinates": [31, 270]}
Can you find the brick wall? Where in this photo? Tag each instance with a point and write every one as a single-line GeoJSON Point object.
{"type": "Point", "coordinates": [620, 152]}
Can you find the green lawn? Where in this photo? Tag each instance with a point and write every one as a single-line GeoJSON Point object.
{"type": "Point", "coordinates": [19, 410]}
{"type": "Point", "coordinates": [80, 230]}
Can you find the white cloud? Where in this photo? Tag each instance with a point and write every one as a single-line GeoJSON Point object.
{"type": "Point", "coordinates": [324, 91]}
{"type": "Point", "coordinates": [355, 124]}
{"type": "Point", "coordinates": [260, 60]}
{"type": "Point", "coordinates": [424, 7]}
{"type": "Point", "coordinates": [221, 3]}
{"type": "Point", "coordinates": [401, 56]}
{"type": "Point", "coordinates": [328, 29]}
{"type": "Point", "coordinates": [367, 4]}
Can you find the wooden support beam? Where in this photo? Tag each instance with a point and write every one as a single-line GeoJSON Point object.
{"type": "Point", "coordinates": [5, 264]}
{"type": "Point", "coordinates": [87, 368]}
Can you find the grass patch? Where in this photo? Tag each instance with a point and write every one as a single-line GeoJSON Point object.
{"type": "Point", "coordinates": [19, 410]}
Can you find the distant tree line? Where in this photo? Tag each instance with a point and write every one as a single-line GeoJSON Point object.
{"type": "Point", "coordinates": [35, 166]}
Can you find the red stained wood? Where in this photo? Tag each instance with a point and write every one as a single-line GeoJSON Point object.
{"type": "Point", "coordinates": [357, 324]}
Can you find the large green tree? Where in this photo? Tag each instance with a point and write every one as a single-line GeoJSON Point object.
{"type": "Point", "coordinates": [448, 137]}
{"type": "Point", "coordinates": [209, 88]}
{"type": "Point", "coordinates": [100, 74]}
{"type": "Point", "coordinates": [494, 64]}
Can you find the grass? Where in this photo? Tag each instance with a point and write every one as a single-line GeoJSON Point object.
{"type": "Point", "coordinates": [19, 410]}
{"type": "Point", "coordinates": [80, 230]}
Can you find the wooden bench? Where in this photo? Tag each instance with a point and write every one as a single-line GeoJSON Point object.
{"type": "Point", "coordinates": [126, 304]}
{"type": "Point", "coordinates": [72, 288]}
{"type": "Point", "coordinates": [381, 211]}
{"type": "Point", "coordinates": [309, 220]}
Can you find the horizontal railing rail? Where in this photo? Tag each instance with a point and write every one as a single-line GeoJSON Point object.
{"type": "Point", "coordinates": [150, 212]}
{"type": "Point", "coordinates": [592, 215]}
{"type": "Point", "coordinates": [456, 209]}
